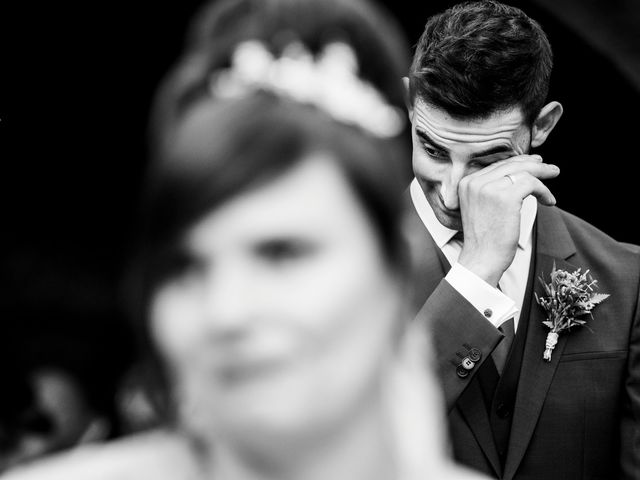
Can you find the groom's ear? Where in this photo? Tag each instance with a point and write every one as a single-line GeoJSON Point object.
{"type": "Point", "coordinates": [407, 97]}
{"type": "Point", "coordinates": [545, 122]}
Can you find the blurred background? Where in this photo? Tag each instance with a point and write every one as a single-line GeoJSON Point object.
{"type": "Point", "coordinates": [77, 80]}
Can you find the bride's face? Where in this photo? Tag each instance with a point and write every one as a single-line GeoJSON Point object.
{"type": "Point", "coordinates": [284, 312]}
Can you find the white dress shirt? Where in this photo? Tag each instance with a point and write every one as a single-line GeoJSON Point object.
{"type": "Point", "coordinates": [484, 297]}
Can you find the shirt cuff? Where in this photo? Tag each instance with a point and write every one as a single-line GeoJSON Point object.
{"type": "Point", "coordinates": [494, 305]}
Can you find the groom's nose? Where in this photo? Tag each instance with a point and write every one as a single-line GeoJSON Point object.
{"type": "Point", "coordinates": [449, 188]}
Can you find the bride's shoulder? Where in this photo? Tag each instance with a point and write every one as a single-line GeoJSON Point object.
{"type": "Point", "coordinates": [157, 455]}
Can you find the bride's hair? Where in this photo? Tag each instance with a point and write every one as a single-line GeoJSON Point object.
{"type": "Point", "coordinates": [373, 33]}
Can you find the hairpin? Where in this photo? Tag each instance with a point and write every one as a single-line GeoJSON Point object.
{"type": "Point", "coordinates": [328, 81]}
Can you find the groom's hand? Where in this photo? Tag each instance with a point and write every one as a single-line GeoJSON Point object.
{"type": "Point", "coordinates": [490, 203]}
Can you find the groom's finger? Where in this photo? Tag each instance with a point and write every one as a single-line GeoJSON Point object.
{"type": "Point", "coordinates": [543, 171]}
{"type": "Point", "coordinates": [522, 185]}
{"type": "Point", "coordinates": [507, 161]}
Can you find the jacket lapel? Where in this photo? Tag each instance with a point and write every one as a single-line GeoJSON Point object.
{"type": "Point", "coordinates": [429, 266]}
{"type": "Point", "coordinates": [553, 245]}
{"type": "Point", "coordinates": [472, 407]}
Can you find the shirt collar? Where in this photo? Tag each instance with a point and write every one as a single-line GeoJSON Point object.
{"type": "Point", "coordinates": [442, 235]}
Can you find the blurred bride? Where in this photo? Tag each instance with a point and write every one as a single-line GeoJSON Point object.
{"type": "Point", "coordinates": [271, 285]}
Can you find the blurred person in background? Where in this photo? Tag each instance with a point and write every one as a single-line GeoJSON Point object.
{"type": "Point", "coordinates": [271, 282]}
{"type": "Point", "coordinates": [59, 369]}
{"type": "Point", "coordinates": [54, 415]}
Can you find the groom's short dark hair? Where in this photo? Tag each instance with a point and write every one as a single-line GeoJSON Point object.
{"type": "Point", "coordinates": [481, 57]}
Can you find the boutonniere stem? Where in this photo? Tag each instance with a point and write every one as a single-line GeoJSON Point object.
{"type": "Point", "coordinates": [568, 301]}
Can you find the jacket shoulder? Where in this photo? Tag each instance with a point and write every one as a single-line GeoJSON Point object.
{"type": "Point", "coordinates": [615, 264]}
{"type": "Point", "coordinates": [590, 238]}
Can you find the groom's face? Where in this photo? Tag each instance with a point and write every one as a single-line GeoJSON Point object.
{"type": "Point", "coordinates": [446, 149]}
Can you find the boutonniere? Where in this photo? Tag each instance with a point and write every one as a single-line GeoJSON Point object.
{"type": "Point", "coordinates": [569, 298]}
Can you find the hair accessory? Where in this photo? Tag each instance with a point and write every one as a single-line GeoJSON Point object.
{"type": "Point", "coordinates": [329, 81]}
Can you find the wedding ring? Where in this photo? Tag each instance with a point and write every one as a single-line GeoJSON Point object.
{"type": "Point", "coordinates": [510, 177]}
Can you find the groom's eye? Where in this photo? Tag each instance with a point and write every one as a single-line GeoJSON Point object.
{"type": "Point", "coordinates": [434, 152]}
{"type": "Point", "coordinates": [480, 164]}
{"type": "Point", "coordinates": [486, 161]}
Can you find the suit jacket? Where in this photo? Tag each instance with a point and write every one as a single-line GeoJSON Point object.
{"type": "Point", "coordinates": [575, 417]}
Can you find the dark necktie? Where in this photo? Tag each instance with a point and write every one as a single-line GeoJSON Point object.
{"type": "Point", "coordinates": [501, 352]}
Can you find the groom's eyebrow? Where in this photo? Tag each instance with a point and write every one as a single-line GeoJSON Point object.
{"type": "Point", "coordinates": [494, 151]}
{"type": "Point", "coordinates": [426, 138]}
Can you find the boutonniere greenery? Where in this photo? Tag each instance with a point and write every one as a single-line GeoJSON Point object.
{"type": "Point", "coordinates": [568, 301]}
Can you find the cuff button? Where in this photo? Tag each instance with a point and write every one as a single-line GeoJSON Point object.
{"type": "Point", "coordinates": [487, 312]}
{"type": "Point", "coordinates": [475, 354]}
{"type": "Point", "coordinates": [467, 363]}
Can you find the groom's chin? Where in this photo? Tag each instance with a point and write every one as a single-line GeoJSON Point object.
{"type": "Point", "coordinates": [449, 220]}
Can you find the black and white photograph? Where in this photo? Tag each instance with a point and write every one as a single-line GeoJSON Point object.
{"type": "Point", "coordinates": [320, 239]}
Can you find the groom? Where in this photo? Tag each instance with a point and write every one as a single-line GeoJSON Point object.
{"type": "Point", "coordinates": [485, 232]}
